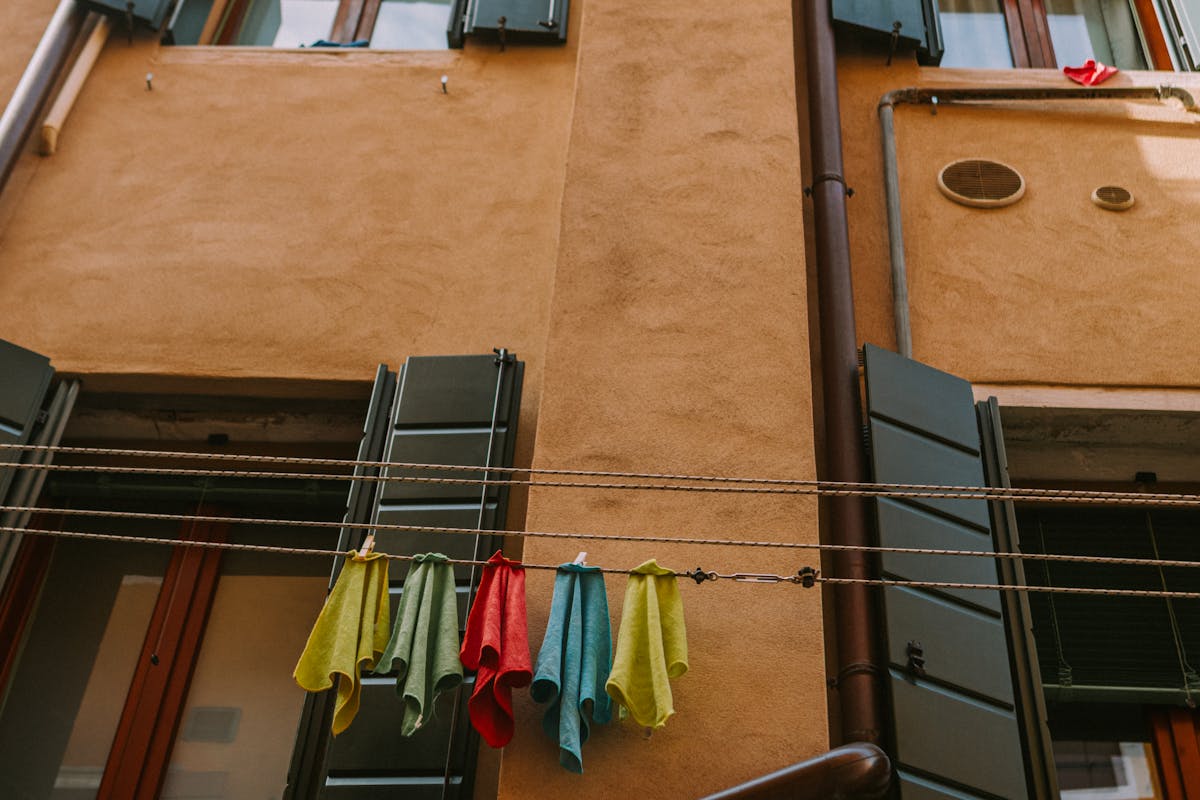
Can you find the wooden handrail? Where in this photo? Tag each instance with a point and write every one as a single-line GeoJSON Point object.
{"type": "Point", "coordinates": [857, 771]}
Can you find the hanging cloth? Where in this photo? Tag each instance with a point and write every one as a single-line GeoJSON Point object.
{"type": "Point", "coordinates": [1091, 73]}
{"type": "Point", "coordinates": [496, 645]}
{"type": "Point", "coordinates": [349, 635]}
{"type": "Point", "coordinates": [651, 646]}
{"type": "Point", "coordinates": [424, 645]}
{"type": "Point", "coordinates": [574, 662]}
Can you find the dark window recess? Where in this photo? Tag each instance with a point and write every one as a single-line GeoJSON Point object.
{"type": "Point", "coordinates": [458, 410]}
{"type": "Point", "coordinates": [1111, 649]}
{"type": "Point", "coordinates": [905, 24]}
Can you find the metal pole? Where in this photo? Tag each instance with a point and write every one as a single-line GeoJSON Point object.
{"type": "Point", "coordinates": [858, 679]}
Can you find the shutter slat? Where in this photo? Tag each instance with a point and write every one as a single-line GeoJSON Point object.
{"type": "Point", "coordinates": [960, 739]}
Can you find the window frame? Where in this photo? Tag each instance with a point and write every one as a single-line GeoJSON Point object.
{"type": "Point", "coordinates": [1029, 34]}
{"type": "Point", "coordinates": [354, 20]}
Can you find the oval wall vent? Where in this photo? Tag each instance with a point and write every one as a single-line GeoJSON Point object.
{"type": "Point", "coordinates": [1114, 198]}
{"type": "Point", "coordinates": [981, 183]}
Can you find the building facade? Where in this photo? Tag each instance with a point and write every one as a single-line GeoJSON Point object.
{"type": "Point", "coordinates": [596, 237]}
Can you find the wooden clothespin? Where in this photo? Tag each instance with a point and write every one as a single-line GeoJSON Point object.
{"type": "Point", "coordinates": [581, 558]}
{"type": "Point", "coordinates": [368, 545]}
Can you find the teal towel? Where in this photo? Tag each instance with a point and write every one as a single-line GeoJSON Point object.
{"type": "Point", "coordinates": [424, 644]}
{"type": "Point", "coordinates": [574, 661]}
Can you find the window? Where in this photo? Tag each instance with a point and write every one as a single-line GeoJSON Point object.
{"type": "Point", "coordinates": [390, 24]}
{"type": "Point", "coordinates": [1001, 34]}
{"type": "Point", "coordinates": [1127, 34]}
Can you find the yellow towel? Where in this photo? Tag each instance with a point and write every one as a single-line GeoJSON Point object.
{"type": "Point", "coordinates": [651, 646]}
{"type": "Point", "coordinates": [349, 635]}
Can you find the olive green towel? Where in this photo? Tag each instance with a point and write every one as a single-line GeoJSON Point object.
{"type": "Point", "coordinates": [424, 646]}
{"type": "Point", "coordinates": [651, 646]}
{"type": "Point", "coordinates": [348, 636]}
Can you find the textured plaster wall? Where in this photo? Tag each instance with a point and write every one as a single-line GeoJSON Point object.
{"type": "Point", "coordinates": [297, 215]}
{"type": "Point", "coordinates": [678, 342]}
{"type": "Point", "coordinates": [1052, 290]}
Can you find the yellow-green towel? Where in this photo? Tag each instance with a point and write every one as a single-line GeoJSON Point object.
{"type": "Point", "coordinates": [651, 646]}
{"type": "Point", "coordinates": [349, 635]}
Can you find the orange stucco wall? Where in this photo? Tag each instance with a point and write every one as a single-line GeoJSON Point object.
{"type": "Point", "coordinates": [678, 342]}
{"type": "Point", "coordinates": [1052, 290]}
{"type": "Point", "coordinates": [625, 213]}
{"type": "Point", "coordinates": [291, 214]}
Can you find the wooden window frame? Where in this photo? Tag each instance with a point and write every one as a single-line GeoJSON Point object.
{"type": "Point", "coordinates": [1029, 34]}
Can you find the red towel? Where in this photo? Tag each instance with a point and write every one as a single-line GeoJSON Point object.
{"type": "Point", "coordinates": [1091, 73]}
{"type": "Point", "coordinates": [496, 646]}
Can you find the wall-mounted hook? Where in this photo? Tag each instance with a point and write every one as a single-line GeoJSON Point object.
{"type": "Point", "coordinates": [149, 81]}
{"type": "Point", "coordinates": [895, 41]}
{"type": "Point", "coordinates": [445, 80]}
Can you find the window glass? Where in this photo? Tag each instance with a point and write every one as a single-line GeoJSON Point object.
{"type": "Point", "coordinates": [237, 732]}
{"type": "Point", "coordinates": [1105, 771]}
{"type": "Point", "coordinates": [411, 25]}
{"type": "Point", "coordinates": [287, 23]}
{"type": "Point", "coordinates": [975, 34]}
{"type": "Point", "coordinates": [69, 686]}
{"type": "Point", "coordinates": [1101, 29]}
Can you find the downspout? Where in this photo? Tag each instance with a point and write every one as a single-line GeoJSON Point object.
{"type": "Point", "coordinates": [37, 82]}
{"type": "Point", "coordinates": [934, 97]}
{"type": "Point", "coordinates": [857, 680]}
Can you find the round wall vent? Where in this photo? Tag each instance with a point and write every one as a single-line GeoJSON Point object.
{"type": "Point", "coordinates": [981, 183]}
{"type": "Point", "coordinates": [1114, 198]}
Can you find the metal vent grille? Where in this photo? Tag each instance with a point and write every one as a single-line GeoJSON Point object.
{"type": "Point", "coordinates": [981, 183]}
{"type": "Point", "coordinates": [1114, 198]}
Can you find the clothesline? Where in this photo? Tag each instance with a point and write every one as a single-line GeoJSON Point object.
{"type": "Point", "coordinates": [807, 576]}
{"type": "Point", "coordinates": [769, 486]}
{"type": "Point", "coordinates": [381, 526]}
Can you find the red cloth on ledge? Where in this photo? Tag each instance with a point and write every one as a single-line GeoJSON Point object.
{"type": "Point", "coordinates": [496, 646]}
{"type": "Point", "coordinates": [1091, 73]}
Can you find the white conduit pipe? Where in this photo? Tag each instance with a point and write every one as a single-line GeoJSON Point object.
{"type": "Point", "coordinates": [36, 82]}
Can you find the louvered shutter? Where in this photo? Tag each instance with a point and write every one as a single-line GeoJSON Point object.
{"type": "Point", "coordinates": [955, 728]}
{"type": "Point", "coordinates": [26, 379]}
{"type": "Point", "coordinates": [913, 23]}
{"type": "Point", "coordinates": [151, 12]}
{"type": "Point", "coordinates": [25, 419]}
{"type": "Point", "coordinates": [459, 410]}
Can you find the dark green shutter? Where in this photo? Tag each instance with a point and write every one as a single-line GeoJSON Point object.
{"type": "Point", "coordinates": [24, 380]}
{"type": "Point", "coordinates": [955, 730]}
{"type": "Point", "coordinates": [915, 23]}
{"type": "Point", "coordinates": [459, 410]}
{"type": "Point", "coordinates": [151, 12]}
{"type": "Point", "coordinates": [543, 21]}
{"type": "Point", "coordinates": [24, 384]}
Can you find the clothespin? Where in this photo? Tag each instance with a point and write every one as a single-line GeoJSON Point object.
{"type": "Point", "coordinates": [579, 559]}
{"type": "Point", "coordinates": [368, 545]}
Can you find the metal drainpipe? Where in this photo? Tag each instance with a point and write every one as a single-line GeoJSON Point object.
{"type": "Point", "coordinates": [858, 675]}
{"type": "Point", "coordinates": [36, 82]}
{"type": "Point", "coordinates": [934, 97]}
